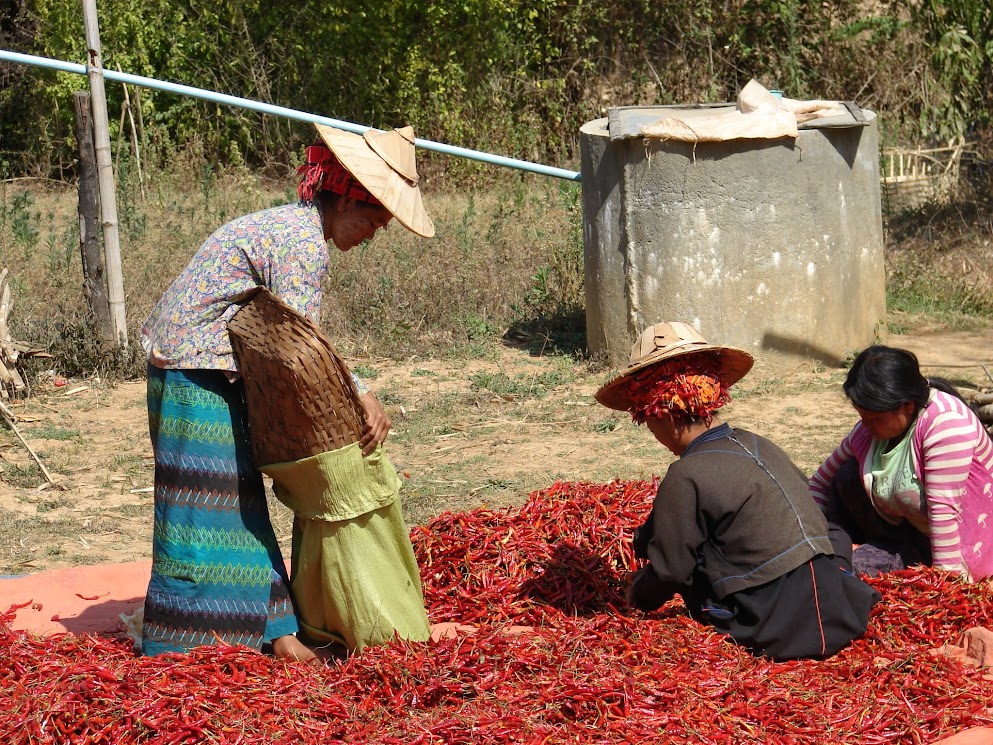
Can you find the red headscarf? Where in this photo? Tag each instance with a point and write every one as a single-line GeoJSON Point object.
{"type": "Point", "coordinates": [690, 386]}
{"type": "Point", "coordinates": [324, 172]}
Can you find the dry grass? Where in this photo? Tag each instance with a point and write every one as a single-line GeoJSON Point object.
{"type": "Point", "coordinates": [467, 433]}
{"type": "Point", "coordinates": [500, 259]}
{"type": "Point", "coordinates": [506, 262]}
{"type": "Point", "coordinates": [940, 258]}
{"type": "Point", "coordinates": [509, 256]}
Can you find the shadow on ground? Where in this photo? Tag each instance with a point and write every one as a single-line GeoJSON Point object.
{"type": "Point", "coordinates": [562, 331]}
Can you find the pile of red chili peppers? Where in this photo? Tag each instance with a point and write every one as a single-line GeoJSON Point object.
{"type": "Point", "coordinates": [592, 670]}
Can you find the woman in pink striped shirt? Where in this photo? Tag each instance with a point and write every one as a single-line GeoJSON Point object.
{"type": "Point", "coordinates": [912, 483]}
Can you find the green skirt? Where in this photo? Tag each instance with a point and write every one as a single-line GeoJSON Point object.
{"type": "Point", "coordinates": [353, 575]}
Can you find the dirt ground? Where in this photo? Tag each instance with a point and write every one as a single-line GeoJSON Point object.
{"type": "Point", "coordinates": [466, 434]}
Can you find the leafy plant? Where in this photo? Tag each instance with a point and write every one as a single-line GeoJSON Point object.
{"type": "Point", "coordinates": [365, 372]}
{"type": "Point", "coordinates": [521, 386]}
{"type": "Point", "coordinates": [960, 36]}
{"type": "Point", "coordinates": [51, 432]}
{"type": "Point", "coordinates": [22, 476]}
{"type": "Point", "coordinates": [509, 77]}
{"type": "Point", "coordinates": [606, 426]}
{"type": "Point", "coordinates": [17, 218]}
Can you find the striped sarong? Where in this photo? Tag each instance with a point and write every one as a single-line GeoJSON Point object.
{"type": "Point", "coordinates": [217, 572]}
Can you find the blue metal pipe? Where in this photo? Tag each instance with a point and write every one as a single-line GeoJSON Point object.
{"type": "Point", "coordinates": [265, 108]}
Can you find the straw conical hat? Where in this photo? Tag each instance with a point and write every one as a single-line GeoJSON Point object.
{"type": "Point", "coordinates": [665, 341]}
{"type": "Point", "coordinates": [383, 162]}
{"type": "Point", "coordinates": [396, 148]}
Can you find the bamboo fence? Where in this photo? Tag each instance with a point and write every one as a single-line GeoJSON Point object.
{"type": "Point", "coordinates": [913, 178]}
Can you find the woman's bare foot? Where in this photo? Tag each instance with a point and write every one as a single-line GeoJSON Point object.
{"type": "Point", "coordinates": [328, 651]}
{"type": "Point", "coordinates": [332, 652]}
{"type": "Point", "coordinates": [290, 648]}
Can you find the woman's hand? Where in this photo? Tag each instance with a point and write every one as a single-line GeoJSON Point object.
{"type": "Point", "coordinates": [647, 592]}
{"type": "Point", "coordinates": [634, 578]}
{"type": "Point", "coordinates": [377, 423]}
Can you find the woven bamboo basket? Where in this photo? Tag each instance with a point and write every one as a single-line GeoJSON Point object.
{"type": "Point", "coordinates": [913, 178]}
{"type": "Point", "coordinates": [300, 396]}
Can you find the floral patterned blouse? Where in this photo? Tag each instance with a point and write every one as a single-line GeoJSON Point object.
{"type": "Point", "coordinates": [282, 248]}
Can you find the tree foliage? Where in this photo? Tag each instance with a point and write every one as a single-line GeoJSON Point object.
{"type": "Point", "coordinates": [517, 77]}
{"type": "Point", "coordinates": [959, 34]}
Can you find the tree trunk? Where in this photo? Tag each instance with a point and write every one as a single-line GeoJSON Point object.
{"type": "Point", "coordinates": [94, 277]}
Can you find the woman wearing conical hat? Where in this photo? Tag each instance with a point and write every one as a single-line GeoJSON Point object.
{"type": "Point", "coordinates": [217, 573]}
{"type": "Point", "coordinates": [733, 528]}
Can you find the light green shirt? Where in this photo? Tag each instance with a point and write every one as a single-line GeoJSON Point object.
{"type": "Point", "coordinates": [897, 493]}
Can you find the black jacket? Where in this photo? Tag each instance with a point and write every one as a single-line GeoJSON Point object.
{"type": "Point", "coordinates": [734, 508]}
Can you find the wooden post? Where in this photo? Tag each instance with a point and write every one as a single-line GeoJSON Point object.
{"type": "Point", "coordinates": [105, 176]}
{"type": "Point", "coordinates": [94, 279]}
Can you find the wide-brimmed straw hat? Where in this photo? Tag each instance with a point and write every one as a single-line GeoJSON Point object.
{"type": "Point", "coordinates": [666, 341]}
{"type": "Point", "coordinates": [383, 162]}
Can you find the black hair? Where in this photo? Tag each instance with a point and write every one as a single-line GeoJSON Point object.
{"type": "Point", "coordinates": [688, 419]}
{"type": "Point", "coordinates": [884, 378]}
{"type": "Point", "coordinates": [326, 199]}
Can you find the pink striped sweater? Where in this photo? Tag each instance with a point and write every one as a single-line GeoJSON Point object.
{"type": "Point", "coordinates": [953, 458]}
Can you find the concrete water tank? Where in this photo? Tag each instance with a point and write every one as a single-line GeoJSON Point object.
{"type": "Point", "coordinates": [775, 246]}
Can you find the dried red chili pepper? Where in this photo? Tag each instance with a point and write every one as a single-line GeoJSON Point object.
{"type": "Point", "coordinates": [591, 671]}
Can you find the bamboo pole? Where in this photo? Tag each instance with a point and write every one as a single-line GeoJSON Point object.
{"type": "Point", "coordinates": [10, 418]}
{"type": "Point", "coordinates": [105, 176]}
{"type": "Point", "coordinates": [134, 137]}
{"type": "Point", "coordinates": [120, 144]}
{"type": "Point", "coordinates": [303, 116]}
